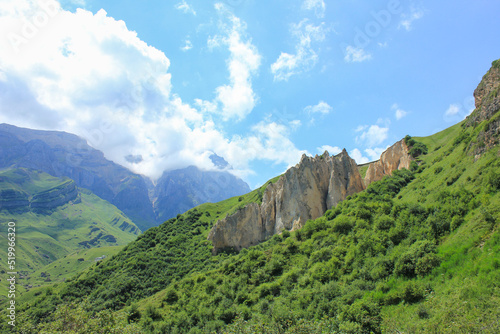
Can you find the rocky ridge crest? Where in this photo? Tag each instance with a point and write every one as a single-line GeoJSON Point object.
{"type": "Point", "coordinates": [395, 157]}
{"type": "Point", "coordinates": [304, 192]}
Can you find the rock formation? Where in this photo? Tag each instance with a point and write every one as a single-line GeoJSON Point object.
{"type": "Point", "coordinates": [486, 95]}
{"type": "Point", "coordinates": [304, 192]}
{"type": "Point", "coordinates": [487, 101]}
{"type": "Point", "coordinates": [54, 197]}
{"type": "Point", "coordinates": [395, 157]}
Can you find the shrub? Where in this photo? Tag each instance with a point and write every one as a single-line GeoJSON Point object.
{"type": "Point", "coordinates": [171, 297]}
{"type": "Point", "coordinates": [419, 259]}
{"type": "Point", "coordinates": [343, 224]}
{"type": "Point", "coordinates": [418, 149]}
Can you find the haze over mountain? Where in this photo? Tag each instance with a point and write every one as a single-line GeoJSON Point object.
{"type": "Point", "coordinates": [63, 154]}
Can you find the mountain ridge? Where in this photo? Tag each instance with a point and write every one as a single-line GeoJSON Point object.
{"type": "Point", "coordinates": [64, 154]}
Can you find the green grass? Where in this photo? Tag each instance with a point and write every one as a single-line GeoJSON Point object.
{"type": "Point", "coordinates": [417, 252]}
{"type": "Point", "coordinates": [66, 267]}
{"type": "Point", "coordinates": [42, 239]}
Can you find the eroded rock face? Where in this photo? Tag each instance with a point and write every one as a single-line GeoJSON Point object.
{"type": "Point", "coordinates": [486, 95]}
{"type": "Point", "coordinates": [487, 100]}
{"type": "Point", "coordinates": [240, 230]}
{"type": "Point", "coordinates": [304, 192]}
{"type": "Point", "coordinates": [394, 158]}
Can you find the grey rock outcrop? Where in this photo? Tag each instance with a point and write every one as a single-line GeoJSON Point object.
{"type": "Point", "coordinates": [395, 157]}
{"type": "Point", "coordinates": [304, 192]}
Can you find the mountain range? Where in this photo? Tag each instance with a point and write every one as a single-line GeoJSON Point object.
{"type": "Point", "coordinates": [62, 154]}
{"type": "Point", "coordinates": [406, 244]}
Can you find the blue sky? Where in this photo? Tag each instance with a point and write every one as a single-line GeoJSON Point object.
{"type": "Point", "coordinates": [159, 85]}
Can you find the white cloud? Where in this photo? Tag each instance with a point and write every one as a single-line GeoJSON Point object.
{"type": "Point", "coordinates": [374, 153]}
{"type": "Point", "coordinates": [408, 19]}
{"type": "Point", "coordinates": [305, 56]}
{"type": "Point", "coordinates": [321, 108]}
{"type": "Point", "coordinates": [88, 74]}
{"type": "Point", "coordinates": [185, 7]}
{"type": "Point", "coordinates": [453, 110]}
{"type": "Point", "coordinates": [318, 6]}
{"type": "Point", "coordinates": [187, 46]}
{"type": "Point", "coordinates": [237, 99]}
{"type": "Point", "coordinates": [398, 112]}
{"type": "Point", "coordinates": [358, 157]}
{"type": "Point", "coordinates": [356, 55]}
{"type": "Point", "coordinates": [333, 150]}
{"type": "Point", "coordinates": [372, 135]}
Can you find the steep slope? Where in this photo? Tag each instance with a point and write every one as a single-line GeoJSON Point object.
{"type": "Point", "coordinates": [63, 154]}
{"type": "Point", "coordinates": [304, 192]}
{"type": "Point", "coordinates": [54, 218]}
{"type": "Point", "coordinates": [416, 252]}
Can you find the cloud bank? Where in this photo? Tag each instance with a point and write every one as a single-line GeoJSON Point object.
{"type": "Point", "coordinates": [88, 74]}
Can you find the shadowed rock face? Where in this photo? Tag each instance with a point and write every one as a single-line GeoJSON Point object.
{"type": "Point", "coordinates": [395, 157]}
{"type": "Point", "coordinates": [304, 192]}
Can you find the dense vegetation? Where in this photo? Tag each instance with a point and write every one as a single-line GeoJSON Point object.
{"type": "Point", "coordinates": [418, 251]}
{"type": "Point", "coordinates": [413, 249]}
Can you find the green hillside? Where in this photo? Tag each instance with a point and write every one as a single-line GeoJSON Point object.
{"type": "Point", "coordinates": [54, 221]}
{"type": "Point", "coordinates": [417, 252]}
{"type": "Point", "coordinates": [413, 249]}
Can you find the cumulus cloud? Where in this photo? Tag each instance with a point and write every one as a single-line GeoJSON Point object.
{"type": "Point", "coordinates": [398, 112]}
{"type": "Point", "coordinates": [408, 19]}
{"type": "Point", "coordinates": [371, 136]}
{"type": "Point", "coordinates": [457, 112]}
{"type": "Point", "coordinates": [356, 55]}
{"type": "Point", "coordinates": [321, 108]}
{"type": "Point", "coordinates": [453, 110]}
{"type": "Point", "coordinates": [333, 150]}
{"type": "Point", "coordinates": [305, 57]}
{"type": "Point", "coordinates": [318, 6]}
{"type": "Point", "coordinates": [188, 45]}
{"type": "Point", "coordinates": [237, 99]}
{"type": "Point", "coordinates": [374, 153]}
{"type": "Point", "coordinates": [90, 75]}
{"type": "Point", "coordinates": [358, 157]}
{"type": "Point", "coordinates": [185, 7]}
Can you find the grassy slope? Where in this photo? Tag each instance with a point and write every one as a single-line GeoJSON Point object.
{"type": "Point", "coordinates": [461, 295]}
{"type": "Point", "coordinates": [371, 264]}
{"type": "Point", "coordinates": [162, 254]}
{"type": "Point", "coordinates": [42, 239]}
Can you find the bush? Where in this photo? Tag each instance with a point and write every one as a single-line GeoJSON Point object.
{"type": "Point", "coordinates": [418, 149]}
{"type": "Point", "coordinates": [343, 224]}
{"type": "Point", "coordinates": [419, 259]}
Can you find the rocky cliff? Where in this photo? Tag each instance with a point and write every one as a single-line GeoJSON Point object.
{"type": "Point", "coordinates": [304, 192]}
{"type": "Point", "coordinates": [487, 102]}
{"type": "Point", "coordinates": [395, 157]}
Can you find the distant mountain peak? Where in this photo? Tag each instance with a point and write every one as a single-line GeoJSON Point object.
{"type": "Point", "coordinates": [219, 161]}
